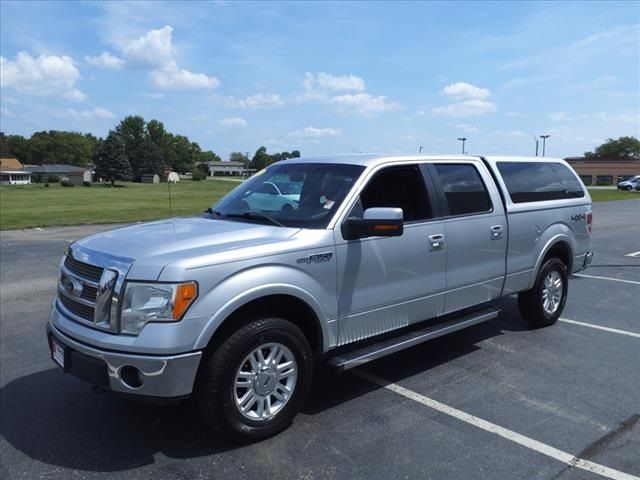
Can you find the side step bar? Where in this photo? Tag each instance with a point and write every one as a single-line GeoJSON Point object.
{"type": "Point", "coordinates": [360, 356]}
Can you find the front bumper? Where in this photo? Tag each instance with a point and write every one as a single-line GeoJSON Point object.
{"type": "Point", "coordinates": [142, 375]}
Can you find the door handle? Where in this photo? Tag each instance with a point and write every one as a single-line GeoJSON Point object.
{"type": "Point", "coordinates": [496, 232]}
{"type": "Point", "coordinates": [436, 242]}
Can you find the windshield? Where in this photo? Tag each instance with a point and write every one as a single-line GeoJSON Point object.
{"type": "Point", "coordinates": [303, 195]}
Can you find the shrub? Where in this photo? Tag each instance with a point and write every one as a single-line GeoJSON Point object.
{"type": "Point", "coordinates": [197, 174]}
{"type": "Point", "coordinates": [86, 183]}
{"type": "Point", "coordinates": [65, 182]}
{"type": "Point", "coordinates": [46, 185]}
{"type": "Point", "coordinates": [53, 178]}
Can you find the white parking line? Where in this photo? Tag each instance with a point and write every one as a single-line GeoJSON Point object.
{"type": "Point", "coordinates": [515, 437]}
{"type": "Point", "coordinates": [633, 282]}
{"type": "Point", "coordinates": [600, 327]}
{"type": "Point", "coordinates": [633, 254]}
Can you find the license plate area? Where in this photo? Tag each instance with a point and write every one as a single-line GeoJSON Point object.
{"type": "Point", "coordinates": [57, 353]}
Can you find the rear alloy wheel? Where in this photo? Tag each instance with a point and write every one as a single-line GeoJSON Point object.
{"type": "Point", "coordinates": [255, 382]}
{"type": "Point", "coordinates": [543, 304]}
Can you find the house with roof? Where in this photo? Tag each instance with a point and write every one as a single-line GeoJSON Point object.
{"type": "Point", "coordinates": [76, 175]}
{"type": "Point", "coordinates": [12, 172]}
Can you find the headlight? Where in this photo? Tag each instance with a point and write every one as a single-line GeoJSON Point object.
{"type": "Point", "coordinates": [154, 302]}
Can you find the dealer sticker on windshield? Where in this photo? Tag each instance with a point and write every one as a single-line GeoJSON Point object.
{"type": "Point", "coordinates": [57, 352]}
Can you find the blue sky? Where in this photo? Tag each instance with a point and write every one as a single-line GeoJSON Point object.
{"type": "Point", "coordinates": [329, 77]}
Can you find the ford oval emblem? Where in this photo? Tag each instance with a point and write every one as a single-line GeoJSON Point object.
{"type": "Point", "coordinates": [71, 286]}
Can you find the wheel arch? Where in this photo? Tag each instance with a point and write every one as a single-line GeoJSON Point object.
{"type": "Point", "coordinates": [559, 246]}
{"type": "Point", "coordinates": [285, 301]}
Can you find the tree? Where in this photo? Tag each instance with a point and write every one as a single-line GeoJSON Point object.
{"type": "Point", "coordinates": [150, 158]}
{"type": "Point", "coordinates": [60, 147]}
{"type": "Point", "coordinates": [261, 159]}
{"type": "Point", "coordinates": [111, 160]}
{"type": "Point", "coordinates": [186, 153]}
{"type": "Point", "coordinates": [133, 133]}
{"type": "Point", "coordinates": [208, 156]}
{"type": "Point", "coordinates": [623, 147]}
{"type": "Point", "coordinates": [15, 146]}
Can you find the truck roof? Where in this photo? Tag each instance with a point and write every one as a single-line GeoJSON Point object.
{"type": "Point", "coordinates": [368, 159]}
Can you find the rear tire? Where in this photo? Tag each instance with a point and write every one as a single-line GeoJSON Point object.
{"type": "Point", "coordinates": [256, 380]}
{"type": "Point", "coordinates": [543, 304]}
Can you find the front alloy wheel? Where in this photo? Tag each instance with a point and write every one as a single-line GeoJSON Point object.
{"type": "Point", "coordinates": [265, 381]}
{"type": "Point", "coordinates": [255, 380]}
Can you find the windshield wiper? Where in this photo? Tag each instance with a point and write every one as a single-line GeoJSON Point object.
{"type": "Point", "coordinates": [256, 216]}
{"type": "Point", "coordinates": [215, 213]}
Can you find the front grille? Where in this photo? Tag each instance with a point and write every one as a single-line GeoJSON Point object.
{"type": "Point", "coordinates": [89, 292]}
{"type": "Point", "coordinates": [79, 309]}
{"type": "Point", "coordinates": [90, 272]}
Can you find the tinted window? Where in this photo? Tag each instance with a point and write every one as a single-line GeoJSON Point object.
{"type": "Point", "coordinates": [537, 181]}
{"type": "Point", "coordinates": [397, 187]}
{"type": "Point", "coordinates": [464, 189]}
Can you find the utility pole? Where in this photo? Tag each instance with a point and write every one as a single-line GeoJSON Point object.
{"type": "Point", "coordinates": [463, 139]}
{"type": "Point", "coordinates": [544, 143]}
{"type": "Point", "coordinates": [420, 150]}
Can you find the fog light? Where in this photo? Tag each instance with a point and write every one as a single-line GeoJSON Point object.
{"type": "Point", "coordinates": [130, 376]}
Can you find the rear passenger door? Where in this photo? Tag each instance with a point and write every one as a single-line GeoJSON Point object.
{"type": "Point", "coordinates": [476, 233]}
{"type": "Point", "coordinates": [385, 283]}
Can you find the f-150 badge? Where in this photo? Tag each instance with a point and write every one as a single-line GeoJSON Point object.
{"type": "Point", "coordinates": [316, 258]}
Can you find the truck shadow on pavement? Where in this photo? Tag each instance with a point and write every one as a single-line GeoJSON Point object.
{"type": "Point", "coordinates": [58, 420]}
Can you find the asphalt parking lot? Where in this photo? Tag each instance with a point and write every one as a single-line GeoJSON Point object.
{"type": "Point", "coordinates": [496, 401]}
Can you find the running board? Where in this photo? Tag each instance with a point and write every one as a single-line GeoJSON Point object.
{"type": "Point", "coordinates": [360, 356]}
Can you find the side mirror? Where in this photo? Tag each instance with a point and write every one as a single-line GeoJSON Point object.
{"type": "Point", "coordinates": [375, 222]}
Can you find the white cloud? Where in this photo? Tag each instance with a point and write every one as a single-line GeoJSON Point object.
{"type": "Point", "coordinates": [313, 132]}
{"type": "Point", "coordinates": [86, 115]}
{"type": "Point", "coordinates": [467, 108]}
{"type": "Point", "coordinates": [262, 100]}
{"type": "Point", "coordinates": [154, 52]}
{"type": "Point", "coordinates": [182, 79]}
{"type": "Point", "coordinates": [46, 75]}
{"type": "Point", "coordinates": [5, 112]}
{"type": "Point", "coordinates": [106, 60]}
{"type": "Point", "coordinates": [467, 128]}
{"type": "Point", "coordinates": [327, 82]}
{"type": "Point", "coordinates": [235, 122]}
{"type": "Point", "coordinates": [465, 91]}
{"type": "Point", "coordinates": [363, 103]}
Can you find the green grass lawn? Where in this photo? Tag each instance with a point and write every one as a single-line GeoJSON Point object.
{"type": "Point", "coordinates": [608, 195]}
{"type": "Point", "coordinates": [26, 206]}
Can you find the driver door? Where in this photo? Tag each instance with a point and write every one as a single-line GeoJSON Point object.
{"type": "Point", "coordinates": [385, 283]}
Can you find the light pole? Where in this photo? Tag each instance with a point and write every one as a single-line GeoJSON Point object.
{"type": "Point", "coordinates": [535, 140]}
{"type": "Point", "coordinates": [420, 150]}
{"type": "Point", "coordinates": [544, 142]}
{"type": "Point", "coordinates": [463, 139]}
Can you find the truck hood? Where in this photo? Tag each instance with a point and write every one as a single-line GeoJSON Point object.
{"type": "Point", "coordinates": [151, 246]}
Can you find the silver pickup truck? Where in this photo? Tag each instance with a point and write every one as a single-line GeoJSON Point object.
{"type": "Point", "coordinates": [336, 260]}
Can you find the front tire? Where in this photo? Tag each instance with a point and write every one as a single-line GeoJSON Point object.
{"type": "Point", "coordinates": [543, 304]}
{"type": "Point", "coordinates": [256, 380]}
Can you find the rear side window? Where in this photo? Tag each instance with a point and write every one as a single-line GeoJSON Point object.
{"type": "Point", "coordinates": [463, 188]}
{"type": "Point", "coordinates": [538, 181]}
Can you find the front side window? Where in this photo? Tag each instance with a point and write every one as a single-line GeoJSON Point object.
{"type": "Point", "coordinates": [396, 187]}
{"type": "Point", "coordinates": [302, 195]}
{"type": "Point", "coordinates": [463, 188]}
{"type": "Point", "coordinates": [539, 181]}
